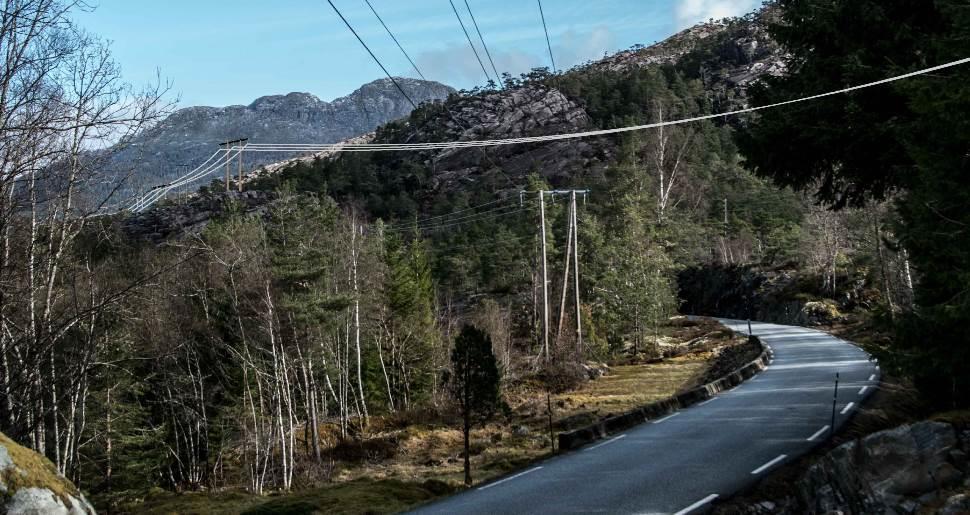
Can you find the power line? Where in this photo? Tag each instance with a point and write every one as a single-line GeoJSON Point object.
{"type": "Point", "coordinates": [472, 208]}
{"type": "Point", "coordinates": [378, 61]}
{"type": "Point", "coordinates": [146, 201]}
{"type": "Point", "coordinates": [469, 38]}
{"type": "Point", "coordinates": [377, 147]}
{"type": "Point", "coordinates": [482, 38]}
{"type": "Point", "coordinates": [389, 33]}
{"type": "Point", "coordinates": [548, 43]}
{"type": "Point", "coordinates": [480, 217]}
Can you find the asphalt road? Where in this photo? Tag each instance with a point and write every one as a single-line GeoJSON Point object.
{"type": "Point", "coordinates": [682, 463]}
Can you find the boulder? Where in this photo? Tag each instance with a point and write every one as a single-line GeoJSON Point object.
{"type": "Point", "coordinates": [886, 472]}
{"type": "Point", "coordinates": [956, 505]}
{"type": "Point", "coordinates": [31, 485]}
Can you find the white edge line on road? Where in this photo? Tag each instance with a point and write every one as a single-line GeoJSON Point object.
{"type": "Point", "coordinates": [768, 465]}
{"type": "Point", "coordinates": [863, 390]}
{"type": "Point", "coordinates": [847, 408]}
{"type": "Point", "coordinates": [872, 377]}
{"type": "Point", "coordinates": [818, 434]}
{"type": "Point", "coordinates": [611, 440]}
{"type": "Point", "coordinates": [510, 478]}
{"type": "Point", "coordinates": [708, 401]}
{"type": "Point", "coordinates": [668, 417]}
{"type": "Point", "coordinates": [697, 504]}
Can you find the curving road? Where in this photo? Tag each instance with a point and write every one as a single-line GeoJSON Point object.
{"type": "Point", "coordinates": [682, 463]}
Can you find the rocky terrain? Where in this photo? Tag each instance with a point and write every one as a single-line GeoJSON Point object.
{"type": "Point", "coordinates": [189, 136]}
{"type": "Point", "coordinates": [29, 485]}
{"type": "Point", "coordinates": [917, 468]}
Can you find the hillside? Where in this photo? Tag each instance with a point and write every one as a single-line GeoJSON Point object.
{"type": "Point", "coordinates": [190, 135]}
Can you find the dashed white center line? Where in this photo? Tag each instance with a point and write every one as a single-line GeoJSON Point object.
{"type": "Point", "coordinates": [848, 407]}
{"type": "Point", "coordinates": [708, 401]}
{"type": "Point", "coordinates": [697, 504]}
{"type": "Point", "coordinates": [872, 377]}
{"type": "Point", "coordinates": [818, 434]}
{"type": "Point", "coordinates": [510, 478]}
{"type": "Point", "coordinates": [863, 390]}
{"type": "Point", "coordinates": [666, 418]}
{"type": "Point", "coordinates": [611, 440]}
{"type": "Point", "coordinates": [768, 465]}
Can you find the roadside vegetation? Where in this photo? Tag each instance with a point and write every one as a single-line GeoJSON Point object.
{"type": "Point", "coordinates": [301, 357]}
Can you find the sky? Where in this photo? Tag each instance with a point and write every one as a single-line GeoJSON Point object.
{"type": "Point", "coordinates": [221, 52]}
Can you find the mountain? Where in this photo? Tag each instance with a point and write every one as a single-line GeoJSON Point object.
{"type": "Point", "coordinates": [189, 136]}
{"type": "Point", "coordinates": [705, 68]}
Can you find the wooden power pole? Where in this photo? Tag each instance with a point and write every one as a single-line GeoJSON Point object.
{"type": "Point", "coordinates": [545, 275]}
{"type": "Point", "coordinates": [572, 254]}
{"type": "Point", "coordinates": [579, 318]}
{"type": "Point", "coordinates": [228, 145]}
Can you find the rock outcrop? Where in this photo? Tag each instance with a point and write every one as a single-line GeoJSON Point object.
{"type": "Point", "coordinates": [30, 485]}
{"type": "Point", "coordinates": [532, 110]}
{"type": "Point", "coordinates": [897, 471]}
{"type": "Point", "coordinates": [173, 219]}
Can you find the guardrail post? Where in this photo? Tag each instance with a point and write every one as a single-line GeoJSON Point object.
{"type": "Point", "coordinates": [835, 401]}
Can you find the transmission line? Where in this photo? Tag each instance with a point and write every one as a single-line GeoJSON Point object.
{"type": "Point", "coordinates": [482, 38]}
{"type": "Point", "coordinates": [545, 28]}
{"type": "Point", "coordinates": [378, 61]}
{"type": "Point", "coordinates": [478, 217]}
{"type": "Point", "coordinates": [389, 33]}
{"type": "Point", "coordinates": [150, 198]}
{"type": "Point", "coordinates": [469, 38]}
{"type": "Point", "coordinates": [377, 147]}
{"type": "Point", "coordinates": [447, 215]}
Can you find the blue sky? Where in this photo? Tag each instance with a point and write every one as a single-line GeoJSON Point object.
{"type": "Point", "coordinates": [221, 52]}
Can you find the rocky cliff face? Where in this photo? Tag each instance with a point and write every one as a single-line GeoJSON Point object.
{"type": "Point", "coordinates": [189, 136]}
{"type": "Point", "coordinates": [733, 53]}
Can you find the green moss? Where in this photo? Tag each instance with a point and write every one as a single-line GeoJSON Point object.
{"type": "Point", "coordinates": [31, 470]}
{"type": "Point", "coordinates": [354, 497]}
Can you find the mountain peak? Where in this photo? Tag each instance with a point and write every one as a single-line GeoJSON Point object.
{"type": "Point", "coordinates": [294, 98]}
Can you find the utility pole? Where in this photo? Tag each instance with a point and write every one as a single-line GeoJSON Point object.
{"type": "Point", "coordinates": [229, 145]}
{"type": "Point", "coordinates": [239, 181]}
{"type": "Point", "coordinates": [545, 275]}
{"type": "Point", "coordinates": [572, 253]}
{"type": "Point", "coordinates": [565, 273]}
{"type": "Point", "coordinates": [227, 167]}
{"type": "Point", "coordinates": [579, 321]}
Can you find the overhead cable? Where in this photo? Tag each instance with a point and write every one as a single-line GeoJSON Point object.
{"type": "Point", "coordinates": [469, 38]}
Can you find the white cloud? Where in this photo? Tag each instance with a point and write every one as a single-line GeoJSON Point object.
{"type": "Point", "coordinates": [690, 12]}
{"type": "Point", "coordinates": [455, 64]}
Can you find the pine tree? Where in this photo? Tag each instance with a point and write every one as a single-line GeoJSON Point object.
{"type": "Point", "coordinates": [474, 383]}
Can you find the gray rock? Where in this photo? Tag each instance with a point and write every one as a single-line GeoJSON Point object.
{"type": "Point", "coordinates": [960, 460]}
{"type": "Point", "coordinates": [42, 490]}
{"type": "Point", "coordinates": [521, 431]}
{"type": "Point", "coordinates": [886, 471]}
{"type": "Point", "coordinates": [956, 505]}
{"type": "Point", "coordinates": [41, 501]}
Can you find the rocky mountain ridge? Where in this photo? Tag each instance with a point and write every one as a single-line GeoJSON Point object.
{"type": "Point", "coordinates": [190, 135]}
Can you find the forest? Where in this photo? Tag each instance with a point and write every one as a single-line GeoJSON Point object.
{"type": "Point", "coordinates": [254, 354]}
